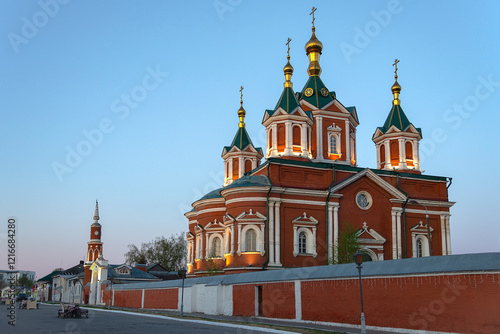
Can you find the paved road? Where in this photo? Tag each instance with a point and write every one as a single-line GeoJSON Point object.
{"type": "Point", "coordinates": [45, 320]}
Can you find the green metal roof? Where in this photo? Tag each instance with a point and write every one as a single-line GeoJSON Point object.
{"type": "Point", "coordinates": [397, 117]}
{"type": "Point", "coordinates": [241, 139]}
{"type": "Point", "coordinates": [316, 99]}
{"type": "Point", "coordinates": [287, 101]}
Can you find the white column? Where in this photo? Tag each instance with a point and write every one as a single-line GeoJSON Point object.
{"type": "Point", "coordinates": [288, 138]}
{"type": "Point", "coordinates": [295, 242]}
{"type": "Point", "coordinates": [206, 245]}
{"type": "Point", "coordinates": [394, 236]}
{"type": "Point", "coordinates": [303, 140]}
{"type": "Point", "coordinates": [261, 241]}
{"type": "Point", "coordinates": [142, 299]}
{"type": "Point", "coordinates": [443, 235]}
{"type": "Point", "coordinates": [314, 242]}
{"type": "Point", "coordinates": [271, 232]}
{"type": "Point", "coordinates": [309, 142]}
{"type": "Point", "coordinates": [448, 238]}
{"type": "Point", "coordinates": [241, 166]}
{"type": "Point", "coordinates": [416, 162]}
{"type": "Point", "coordinates": [269, 144]}
{"type": "Point", "coordinates": [387, 145]}
{"type": "Point", "coordinates": [201, 245]}
{"type": "Point", "coordinates": [239, 239]}
{"type": "Point", "coordinates": [232, 240]}
{"type": "Point", "coordinates": [398, 231]}
{"type": "Point", "coordinates": [278, 234]}
{"type": "Point", "coordinates": [377, 148]}
{"type": "Point", "coordinates": [402, 154]}
{"type": "Point", "coordinates": [330, 233]}
{"type": "Point", "coordinates": [347, 142]}
{"type": "Point", "coordinates": [319, 138]}
{"type": "Point", "coordinates": [254, 163]}
{"type": "Point", "coordinates": [414, 245]}
{"type": "Point", "coordinates": [230, 171]}
{"type": "Point", "coordinates": [274, 150]}
{"type": "Point", "coordinates": [336, 231]}
{"type": "Point", "coordinates": [416, 154]}
{"type": "Point", "coordinates": [226, 241]}
{"type": "Point", "coordinates": [298, 300]}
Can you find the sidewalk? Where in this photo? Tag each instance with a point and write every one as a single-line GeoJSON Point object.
{"type": "Point", "coordinates": [267, 321]}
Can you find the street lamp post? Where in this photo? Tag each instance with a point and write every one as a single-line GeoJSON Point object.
{"type": "Point", "coordinates": [429, 235]}
{"type": "Point", "coordinates": [182, 273]}
{"type": "Point", "coordinates": [358, 258]}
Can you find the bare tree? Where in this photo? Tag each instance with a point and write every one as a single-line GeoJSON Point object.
{"type": "Point", "coordinates": [169, 252]}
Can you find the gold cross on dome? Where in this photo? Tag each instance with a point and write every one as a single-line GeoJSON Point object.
{"type": "Point", "coordinates": [312, 13]}
{"type": "Point", "coordinates": [241, 97]}
{"type": "Point", "coordinates": [396, 61]}
{"type": "Point", "coordinates": [288, 44]}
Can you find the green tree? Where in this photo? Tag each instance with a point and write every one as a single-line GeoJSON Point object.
{"type": "Point", "coordinates": [169, 252]}
{"type": "Point", "coordinates": [348, 244]}
{"type": "Point", "coordinates": [25, 282]}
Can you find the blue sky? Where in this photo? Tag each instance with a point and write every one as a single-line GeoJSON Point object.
{"type": "Point", "coordinates": [147, 92]}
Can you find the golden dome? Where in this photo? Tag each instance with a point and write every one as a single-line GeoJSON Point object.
{"type": "Point", "coordinates": [314, 44]}
{"type": "Point", "coordinates": [288, 69]}
{"type": "Point", "coordinates": [396, 88]}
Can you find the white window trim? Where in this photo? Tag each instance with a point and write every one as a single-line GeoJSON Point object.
{"type": "Point", "coordinates": [211, 241]}
{"type": "Point", "coordinates": [310, 240]}
{"type": "Point", "coordinates": [258, 228]}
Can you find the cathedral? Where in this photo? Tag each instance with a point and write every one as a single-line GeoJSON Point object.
{"type": "Point", "coordinates": [289, 210]}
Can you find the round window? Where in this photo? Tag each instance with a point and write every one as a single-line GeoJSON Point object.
{"type": "Point", "coordinates": [364, 200]}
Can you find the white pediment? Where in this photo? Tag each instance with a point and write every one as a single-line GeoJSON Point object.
{"type": "Point", "coordinates": [250, 216]}
{"type": "Point", "coordinates": [303, 219]}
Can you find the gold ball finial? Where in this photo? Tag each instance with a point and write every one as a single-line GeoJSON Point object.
{"type": "Point", "coordinates": [288, 69]}
{"type": "Point", "coordinates": [241, 111]}
{"type": "Point", "coordinates": [396, 88]}
{"type": "Point", "coordinates": [313, 50]}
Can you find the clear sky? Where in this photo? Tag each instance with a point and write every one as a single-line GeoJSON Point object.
{"type": "Point", "coordinates": [131, 102]}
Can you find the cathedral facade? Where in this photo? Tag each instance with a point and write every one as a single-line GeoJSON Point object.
{"type": "Point", "coordinates": [290, 210]}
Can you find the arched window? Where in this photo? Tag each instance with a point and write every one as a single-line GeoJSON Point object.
{"type": "Point", "coordinates": [270, 139]}
{"type": "Point", "coordinates": [251, 241]}
{"type": "Point", "coordinates": [216, 247]}
{"type": "Point", "coordinates": [296, 136]}
{"type": "Point", "coordinates": [409, 150]}
{"type": "Point", "coordinates": [394, 153]}
{"type": "Point", "coordinates": [302, 243]}
{"type": "Point", "coordinates": [420, 250]}
{"type": "Point", "coordinates": [236, 169]}
{"type": "Point", "coordinates": [248, 165]}
{"type": "Point", "coordinates": [382, 154]}
{"type": "Point", "coordinates": [281, 137]}
{"type": "Point", "coordinates": [333, 144]}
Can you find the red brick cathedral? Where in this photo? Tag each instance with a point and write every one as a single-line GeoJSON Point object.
{"type": "Point", "coordinates": [290, 210]}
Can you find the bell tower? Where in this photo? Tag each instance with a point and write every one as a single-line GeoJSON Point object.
{"type": "Point", "coordinates": [397, 142]}
{"type": "Point", "coordinates": [241, 157]}
{"type": "Point", "coordinates": [94, 246]}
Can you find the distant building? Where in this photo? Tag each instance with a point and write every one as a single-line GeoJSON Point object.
{"type": "Point", "coordinates": [290, 210]}
{"type": "Point", "coordinates": [98, 273]}
{"type": "Point", "coordinates": [7, 275]}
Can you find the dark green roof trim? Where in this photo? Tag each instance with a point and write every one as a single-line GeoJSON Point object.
{"type": "Point", "coordinates": [249, 181]}
{"type": "Point", "coordinates": [287, 101]}
{"type": "Point", "coordinates": [213, 194]}
{"type": "Point", "coordinates": [241, 139]}
{"type": "Point", "coordinates": [397, 118]}
{"type": "Point", "coordinates": [316, 99]}
{"type": "Point", "coordinates": [342, 167]}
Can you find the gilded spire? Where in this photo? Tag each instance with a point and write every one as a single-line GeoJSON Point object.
{"type": "Point", "coordinates": [288, 69]}
{"type": "Point", "coordinates": [96, 213]}
{"type": "Point", "coordinates": [396, 88]}
{"type": "Point", "coordinates": [241, 111]}
{"type": "Point", "coordinates": [313, 50]}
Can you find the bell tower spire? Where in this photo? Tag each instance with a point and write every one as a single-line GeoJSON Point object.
{"type": "Point", "coordinates": [94, 245]}
{"type": "Point", "coordinates": [241, 157]}
{"type": "Point", "coordinates": [397, 142]}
